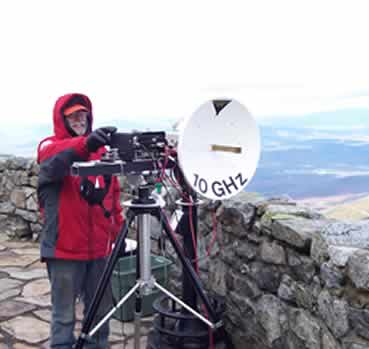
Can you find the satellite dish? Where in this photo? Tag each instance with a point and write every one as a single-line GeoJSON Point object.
{"type": "Point", "coordinates": [219, 149]}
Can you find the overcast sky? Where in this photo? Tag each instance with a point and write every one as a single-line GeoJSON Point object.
{"type": "Point", "coordinates": [162, 59]}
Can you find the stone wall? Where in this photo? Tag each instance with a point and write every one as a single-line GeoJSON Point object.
{"type": "Point", "coordinates": [290, 278]}
{"type": "Point", "coordinates": [19, 216]}
{"type": "Point", "coordinates": [19, 212]}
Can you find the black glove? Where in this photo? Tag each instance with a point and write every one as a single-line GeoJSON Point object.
{"type": "Point", "coordinates": [99, 137]}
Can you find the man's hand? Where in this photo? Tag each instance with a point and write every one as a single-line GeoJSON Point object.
{"type": "Point", "coordinates": [99, 137]}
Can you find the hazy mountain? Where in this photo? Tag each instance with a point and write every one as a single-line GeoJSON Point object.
{"type": "Point", "coordinates": [304, 163]}
{"type": "Point", "coordinates": [343, 119]}
{"type": "Point", "coordinates": [318, 155]}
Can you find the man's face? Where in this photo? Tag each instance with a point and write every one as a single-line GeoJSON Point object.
{"type": "Point", "coordinates": [78, 122]}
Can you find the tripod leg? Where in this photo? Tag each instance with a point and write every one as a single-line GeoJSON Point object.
{"type": "Point", "coordinates": [137, 326]}
{"type": "Point", "coordinates": [104, 281]}
{"type": "Point", "coordinates": [187, 266]}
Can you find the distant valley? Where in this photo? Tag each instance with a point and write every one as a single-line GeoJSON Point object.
{"type": "Point", "coordinates": [311, 167]}
{"type": "Point", "coordinates": [321, 159]}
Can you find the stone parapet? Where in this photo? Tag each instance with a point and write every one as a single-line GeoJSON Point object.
{"type": "Point", "coordinates": [19, 215]}
{"type": "Point", "coordinates": [290, 278]}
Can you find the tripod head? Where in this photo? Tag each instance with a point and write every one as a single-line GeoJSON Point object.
{"type": "Point", "coordinates": [143, 194]}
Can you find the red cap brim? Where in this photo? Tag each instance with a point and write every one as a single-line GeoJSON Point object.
{"type": "Point", "coordinates": [74, 108]}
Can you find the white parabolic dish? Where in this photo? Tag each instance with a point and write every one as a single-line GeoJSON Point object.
{"type": "Point", "coordinates": [219, 149]}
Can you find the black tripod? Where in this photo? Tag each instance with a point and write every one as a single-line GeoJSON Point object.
{"type": "Point", "coordinates": [143, 207]}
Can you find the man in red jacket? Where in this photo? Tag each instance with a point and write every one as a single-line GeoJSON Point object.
{"type": "Point", "coordinates": [77, 236]}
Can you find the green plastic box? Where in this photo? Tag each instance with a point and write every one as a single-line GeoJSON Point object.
{"type": "Point", "coordinates": [124, 278]}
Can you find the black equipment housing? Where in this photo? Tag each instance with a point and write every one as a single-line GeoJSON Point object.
{"type": "Point", "coordinates": [139, 145]}
{"type": "Point", "coordinates": [133, 153]}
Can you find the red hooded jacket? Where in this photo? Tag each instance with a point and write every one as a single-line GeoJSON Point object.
{"type": "Point", "coordinates": [72, 228]}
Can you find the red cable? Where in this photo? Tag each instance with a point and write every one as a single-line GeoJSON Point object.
{"type": "Point", "coordinates": [215, 225]}
{"type": "Point", "coordinates": [211, 337]}
{"type": "Point", "coordinates": [165, 165]}
{"type": "Point", "coordinates": [194, 242]}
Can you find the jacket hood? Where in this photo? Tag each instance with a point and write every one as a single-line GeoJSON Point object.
{"type": "Point", "coordinates": [60, 129]}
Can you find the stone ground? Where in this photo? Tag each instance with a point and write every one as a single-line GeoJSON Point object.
{"type": "Point", "coordinates": [25, 302]}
